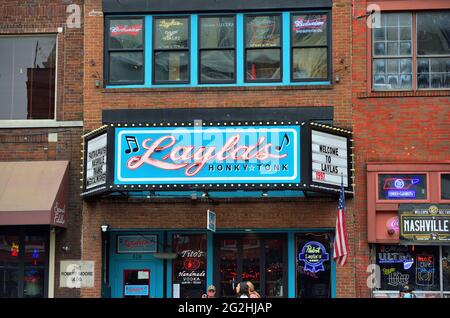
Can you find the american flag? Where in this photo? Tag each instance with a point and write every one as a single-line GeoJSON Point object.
{"type": "Point", "coordinates": [340, 249]}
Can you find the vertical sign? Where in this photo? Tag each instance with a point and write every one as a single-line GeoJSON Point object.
{"type": "Point", "coordinates": [329, 158]}
{"type": "Point", "coordinates": [211, 217]}
{"type": "Point", "coordinates": [96, 162]}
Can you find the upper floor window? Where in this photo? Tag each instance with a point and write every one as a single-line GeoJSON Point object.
{"type": "Point", "coordinates": [171, 50]}
{"type": "Point", "coordinates": [263, 48]}
{"type": "Point", "coordinates": [240, 49]}
{"type": "Point", "coordinates": [125, 50]}
{"type": "Point", "coordinates": [309, 37]}
{"type": "Point", "coordinates": [410, 56]}
{"type": "Point", "coordinates": [217, 49]}
{"type": "Point", "coordinates": [27, 72]}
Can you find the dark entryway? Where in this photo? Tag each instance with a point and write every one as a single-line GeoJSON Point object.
{"type": "Point", "coordinates": [261, 259]}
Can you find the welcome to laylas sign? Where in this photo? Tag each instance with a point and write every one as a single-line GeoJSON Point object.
{"type": "Point", "coordinates": [424, 224]}
{"type": "Point", "coordinates": [227, 156]}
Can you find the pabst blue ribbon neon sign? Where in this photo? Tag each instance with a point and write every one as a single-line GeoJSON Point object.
{"type": "Point", "coordinates": [166, 155]}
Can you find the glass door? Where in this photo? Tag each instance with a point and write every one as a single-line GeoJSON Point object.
{"type": "Point", "coordinates": [260, 259]}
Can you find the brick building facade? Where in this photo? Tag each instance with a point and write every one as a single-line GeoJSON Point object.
{"type": "Point", "coordinates": [45, 139]}
{"type": "Point", "coordinates": [264, 215]}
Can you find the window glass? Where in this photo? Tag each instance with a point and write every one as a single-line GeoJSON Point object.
{"type": "Point", "coordinates": [313, 266]}
{"type": "Point", "coordinates": [263, 31]}
{"type": "Point", "coordinates": [446, 267]}
{"type": "Point", "coordinates": [126, 67]}
{"type": "Point", "coordinates": [217, 65]}
{"type": "Point", "coordinates": [126, 34]}
{"type": "Point", "coordinates": [171, 33]}
{"type": "Point", "coordinates": [391, 49]}
{"type": "Point", "coordinates": [433, 73]}
{"type": "Point", "coordinates": [309, 63]}
{"type": "Point", "coordinates": [274, 268]}
{"type": "Point", "coordinates": [433, 33]}
{"type": "Point", "coordinates": [189, 268]}
{"type": "Point", "coordinates": [171, 66]}
{"type": "Point", "coordinates": [309, 29]}
{"type": "Point", "coordinates": [416, 266]}
{"type": "Point", "coordinates": [35, 250]}
{"type": "Point", "coordinates": [402, 187]}
{"type": "Point", "coordinates": [27, 70]}
{"type": "Point", "coordinates": [33, 282]}
{"type": "Point", "coordinates": [217, 49]}
{"type": "Point", "coordinates": [445, 186]}
{"type": "Point", "coordinates": [217, 32]}
{"type": "Point", "coordinates": [263, 64]}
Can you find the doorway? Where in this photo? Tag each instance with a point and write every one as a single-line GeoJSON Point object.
{"type": "Point", "coordinates": [258, 258]}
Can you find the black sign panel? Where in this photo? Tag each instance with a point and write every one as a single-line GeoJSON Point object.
{"type": "Point", "coordinates": [95, 161]}
{"type": "Point", "coordinates": [424, 224]}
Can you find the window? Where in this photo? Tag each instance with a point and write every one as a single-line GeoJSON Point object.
{"type": "Point", "coordinates": [309, 42]}
{"type": "Point", "coordinates": [418, 267]}
{"type": "Point", "coordinates": [445, 186]}
{"type": "Point", "coordinates": [313, 268]}
{"type": "Point", "coordinates": [171, 50]}
{"type": "Point", "coordinates": [446, 268]}
{"type": "Point", "coordinates": [263, 48]}
{"type": "Point", "coordinates": [217, 49]}
{"type": "Point", "coordinates": [433, 50]}
{"type": "Point", "coordinates": [27, 71]}
{"type": "Point", "coordinates": [393, 64]}
{"type": "Point", "coordinates": [189, 268]}
{"type": "Point", "coordinates": [125, 53]}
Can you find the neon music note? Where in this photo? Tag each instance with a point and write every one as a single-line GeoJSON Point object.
{"type": "Point", "coordinates": [284, 141]}
{"type": "Point", "coordinates": [131, 140]}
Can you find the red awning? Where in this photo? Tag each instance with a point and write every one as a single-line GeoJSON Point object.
{"type": "Point", "coordinates": [34, 192]}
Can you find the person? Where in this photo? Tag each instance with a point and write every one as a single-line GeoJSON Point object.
{"type": "Point", "coordinates": [407, 292]}
{"type": "Point", "coordinates": [251, 290]}
{"type": "Point", "coordinates": [242, 290]}
{"type": "Point", "coordinates": [211, 293]}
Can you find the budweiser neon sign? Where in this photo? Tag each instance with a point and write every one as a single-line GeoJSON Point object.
{"type": "Point", "coordinates": [302, 25]}
{"type": "Point", "coordinates": [214, 155]}
{"type": "Point", "coordinates": [132, 30]}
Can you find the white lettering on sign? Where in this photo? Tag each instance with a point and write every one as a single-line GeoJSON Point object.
{"type": "Point", "coordinates": [96, 162]}
{"type": "Point", "coordinates": [329, 158]}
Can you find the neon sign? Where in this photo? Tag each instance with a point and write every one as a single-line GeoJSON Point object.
{"type": "Point", "coordinates": [313, 254]}
{"type": "Point", "coordinates": [14, 250]}
{"type": "Point", "coordinates": [213, 155]}
{"type": "Point", "coordinates": [402, 187]}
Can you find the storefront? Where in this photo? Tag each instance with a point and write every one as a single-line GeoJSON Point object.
{"type": "Point", "coordinates": [175, 169]}
{"type": "Point", "coordinates": [33, 203]}
{"type": "Point", "coordinates": [409, 226]}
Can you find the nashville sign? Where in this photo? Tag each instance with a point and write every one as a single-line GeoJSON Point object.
{"type": "Point", "coordinates": [424, 223]}
{"type": "Point", "coordinates": [233, 156]}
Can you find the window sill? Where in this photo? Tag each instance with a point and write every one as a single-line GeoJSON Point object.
{"type": "Point", "coordinates": [38, 123]}
{"type": "Point", "coordinates": [217, 89]}
{"type": "Point", "coordinates": [421, 93]}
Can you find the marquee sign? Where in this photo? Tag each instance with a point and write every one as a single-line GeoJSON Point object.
{"type": "Point", "coordinates": [207, 156]}
{"type": "Point", "coordinates": [424, 224]}
{"type": "Point", "coordinates": [269, 155]}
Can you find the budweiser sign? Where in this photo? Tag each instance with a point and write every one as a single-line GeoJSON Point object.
{"type": "Point", "coordinates": [132, 30]}
{"type": "Point", "coordinates": [303, 25]}
{"type": "Point", "coordinates": [212, 155]}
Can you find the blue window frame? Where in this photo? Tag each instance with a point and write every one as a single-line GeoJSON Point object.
{"type": "Point", "coordinates": [226, 54]}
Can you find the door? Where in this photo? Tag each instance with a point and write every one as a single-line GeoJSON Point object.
{"type": "Point", "coordinates": [137, 279]}
{"type": "Point", "coordinates": [260, 259]}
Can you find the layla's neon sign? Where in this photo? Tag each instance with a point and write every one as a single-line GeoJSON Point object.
{"type": "Point", "coordinates": [210, 155]}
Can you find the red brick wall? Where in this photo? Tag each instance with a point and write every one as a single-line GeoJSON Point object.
{"type": "Point", "coordinates": [396, 127]}
{"type": "Point", "coordinates": [38, 16]}
{"type": "Point", "coordinates": [302, 214]}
